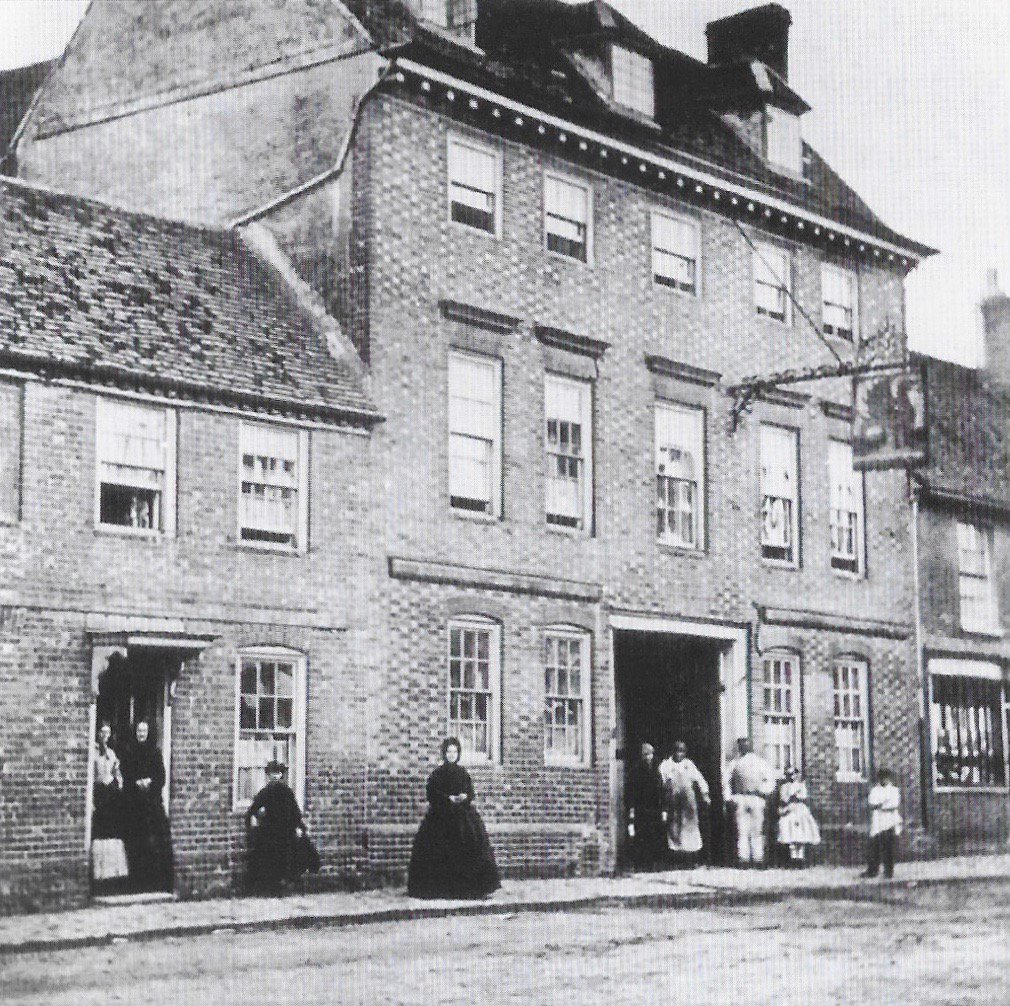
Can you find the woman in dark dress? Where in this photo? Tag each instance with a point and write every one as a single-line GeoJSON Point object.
{"type": "Point", "coordinates": [274, 826]}
{"type": "Point", "coordinates": [645, 811]}
{"type": "Point", "coordinates": [145, 824]}
{"type": "Point", "coordinates": [452, 857]}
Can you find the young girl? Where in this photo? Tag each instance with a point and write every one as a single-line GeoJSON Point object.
{"type": "Point", "coordinates": [797, 827]}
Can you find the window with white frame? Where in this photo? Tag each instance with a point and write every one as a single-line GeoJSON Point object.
{"type": "Point", "coordinates": [846, 519]}
{"type": "Point", "coordinates": [475, 425]}
{"type": "Point", "coordinates": [474, 674]}
{"type": "Point", "coordinates": [968, 721]}
{"type": "Point", "coordinates": [568, 217]}
{"type": "Point", "coordinates": [680, 475]}
{"type": "Point", "coordinates": [271, 721]}
{"type": "Point", "coordinates": [781, 710]}
{"type": "Point", "coordinates": [779, 494]}
{"type": "Point", "coordinates": [850, 689]}
{"type": "Point", "coordinates": [566, 697]}
{"type": "Point", "coordinates": [839, 302]}
{"type": "Point", "coordinates": [783, 140]}
{"type": "Point", "coordinates": [676, 251]}
{"type": "Point", "coordinates": [569, 451]}
{"type": "Point", "coordinates": [136, 466]}
{"type": "Point", "coordinates": [475, 185]}
{"type": "Point", "coordinates": [273, 485]}
{"type": "Point", "coordinates": [772, 281]}
{"type": "Point", "coordinates": [633, 80]}
{"type": "Point", "coordinates": [975, 580]}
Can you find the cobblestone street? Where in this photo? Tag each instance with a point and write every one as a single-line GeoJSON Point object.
{"type": "Point", "coordinates": [944, 944]}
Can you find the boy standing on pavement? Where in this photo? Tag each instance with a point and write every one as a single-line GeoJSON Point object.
{"type": "Point", "coordinates": [885, 824]}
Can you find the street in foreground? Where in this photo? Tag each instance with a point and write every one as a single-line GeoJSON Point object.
{"type": "Point", "coordinates": [929, 945]}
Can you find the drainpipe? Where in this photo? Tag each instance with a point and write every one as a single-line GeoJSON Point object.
{"type": "Point", "coordinates": [920, 663]}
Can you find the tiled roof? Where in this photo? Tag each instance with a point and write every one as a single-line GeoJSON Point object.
{"type": "Point", "coordinates": [127, 299]}
{"type": "Point", "coordinates": [969, 435]}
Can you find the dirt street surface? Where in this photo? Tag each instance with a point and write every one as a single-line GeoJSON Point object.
{"type": "Point", "coordinates": [946, 945]}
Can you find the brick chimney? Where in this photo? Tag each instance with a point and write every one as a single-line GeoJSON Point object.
{"type": "Point", "coordinates": [996, 330]}
{"type": "Point", "coordinates": [760, 33]}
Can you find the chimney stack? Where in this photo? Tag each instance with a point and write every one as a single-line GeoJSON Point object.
{"type": "Point", "coordinates": [761, 33]}
{"type": "Point", "coordinates": [996, 330]}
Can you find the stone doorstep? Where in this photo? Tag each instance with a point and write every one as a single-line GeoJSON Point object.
{"type": "Point", "coordinates": [303, 912]}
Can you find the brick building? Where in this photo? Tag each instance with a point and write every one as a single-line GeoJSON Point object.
{"type": "Point", "coordinates": [166, 394]}
{"type": "Point", "coordinates": [963, 553]}
{"type": "Point", "coordinates": [556, 247]}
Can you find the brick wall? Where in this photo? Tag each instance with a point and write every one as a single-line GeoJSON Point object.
{"type": "Point", "coordinates": [62, 573]}
{"type": "Point", "coordinates": [417, 257]}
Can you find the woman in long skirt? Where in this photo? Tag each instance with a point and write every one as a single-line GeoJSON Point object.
{"type": "Point", "coordinates": [274, 827]}
{"type": "Point", "coordinates": [683, 784]}
{"type": "Point", "coordinates": [796, 828]}
{"type": "Point", "coordinates": [452, 856]}
{"type": "Point", "coordinates": [147, 835]}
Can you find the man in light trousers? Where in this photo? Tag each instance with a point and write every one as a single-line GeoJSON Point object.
{"type": "Point", "coordinates": [749, 781]}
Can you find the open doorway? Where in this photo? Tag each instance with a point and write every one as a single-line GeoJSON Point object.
{"type": "Point", "coordinates": [668, 689]}
{"type": "Point", "coordinates": [130, 838]}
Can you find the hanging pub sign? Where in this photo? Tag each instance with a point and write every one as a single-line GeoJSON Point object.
{"type": "Point", "coordinates": [888, 419]}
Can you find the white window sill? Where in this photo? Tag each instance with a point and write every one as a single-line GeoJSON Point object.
{"type": "Point", "coordinates": [969, 790]}
{"type": "Point", "coordinates": [785, 322]}
{"type": "Point", "coordinates": [567, 532]}
{"type": "Point", "coordinates": [555, 762]}
{"type": "Point", "coordinates": [134, 533]}
{"type": "Point", "coordinates": [475, 516]}
{"type": "Point", "coordinates": [686, 551]}
{"type": "Point", "coordinates": [267, 548]}
{"type": "Point", "coordinates": [791, 567]}
{"type": "Point", "coordinates": [846, 574]}
{"type": "Point", "coordinates": [687, 295]}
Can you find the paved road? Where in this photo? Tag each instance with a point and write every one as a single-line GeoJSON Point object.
{"type": "Point", "coordinates": [935, 946]}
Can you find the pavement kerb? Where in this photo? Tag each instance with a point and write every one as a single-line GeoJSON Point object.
{"type": "Point", "coordinates": [715, 897]}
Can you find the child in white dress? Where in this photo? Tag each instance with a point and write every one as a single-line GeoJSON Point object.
{"type": "Point", "coordinates": [797, 828]}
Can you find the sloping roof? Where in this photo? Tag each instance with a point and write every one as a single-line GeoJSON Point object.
{"type": "Point", "coordinates": [127, 55]}
{"type": "Point", "coordinates": [541, 75]}
{"type": "Point", "coordinates": [17, 88]}
{"type": "Point", "coordinates": [128, 299]}
{"type": "Point", "coordinates": [969, 435]}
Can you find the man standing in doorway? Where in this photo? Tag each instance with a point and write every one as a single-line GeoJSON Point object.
{"type": "Point", "coordinates": [749, 782]}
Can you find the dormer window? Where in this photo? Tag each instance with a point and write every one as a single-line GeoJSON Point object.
{"type": "Point", "coordinates": [633, 81]}
{"type": "Point", "coordinates": [457, 16]}
{"type": "Point", "coordinates": [783, 140]}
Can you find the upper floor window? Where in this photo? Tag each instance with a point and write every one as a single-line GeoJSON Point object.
{"type": "Point", "coordinates": [271, 721]}
{"type": "Point", "coordinates": [566, 697]}
{"type": "Point", "coordinates": [136, 466]}
{"type": "Point", "coordinates": [780, 694]}
{"type": "Point", "coordinates": [975, 579]}
{"type": "Point", "coordinates": [839, 310]}
{"type": "Point", "coordinates": [474, 675]}
{"type": "Point", "coordinates": [968, 704]}
{"type": "Point", "coordinates": [783, 140]}
{"type": "Point", "coordinates": [569, 451]}
{"type": "Point", "coordinates": [772, 281]}
{"type": "Point", "coordinates": [568, 217]}
{"type": "Point", "coordinates": [779, 494]}
{"type": "Point", "coordinates": [475, 183]}
{"type": "Point", "coordinates": [475, 425]}
{"type": "Point", "coordinates": [273, 490]}
{"type": "Point", "coordinates": [676, 251]}
{"type": "Point", "coordinates": [846, 503]}
{"type": "Point", "coordinates": [680, 475]}
{"type": "Point", "coordinates": [10, 451]}
{"type": "Point", "coordinates": [633, 80]}
{"type": "Point", "coordinates": [850, 690]}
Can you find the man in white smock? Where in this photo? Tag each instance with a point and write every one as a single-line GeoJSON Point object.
{"type": "Point", "coordinates": [749, 781]}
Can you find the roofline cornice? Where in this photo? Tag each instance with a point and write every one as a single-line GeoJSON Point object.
{"type": "Point", "coordinates": [123, 379]}
{"type": "Point", "coordinates": [749, 202]}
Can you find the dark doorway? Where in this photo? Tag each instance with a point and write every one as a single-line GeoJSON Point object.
{"type": "Point", "coordinates": [131, 689]}
{"type": "Point", "coordinates": [668, 689]}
